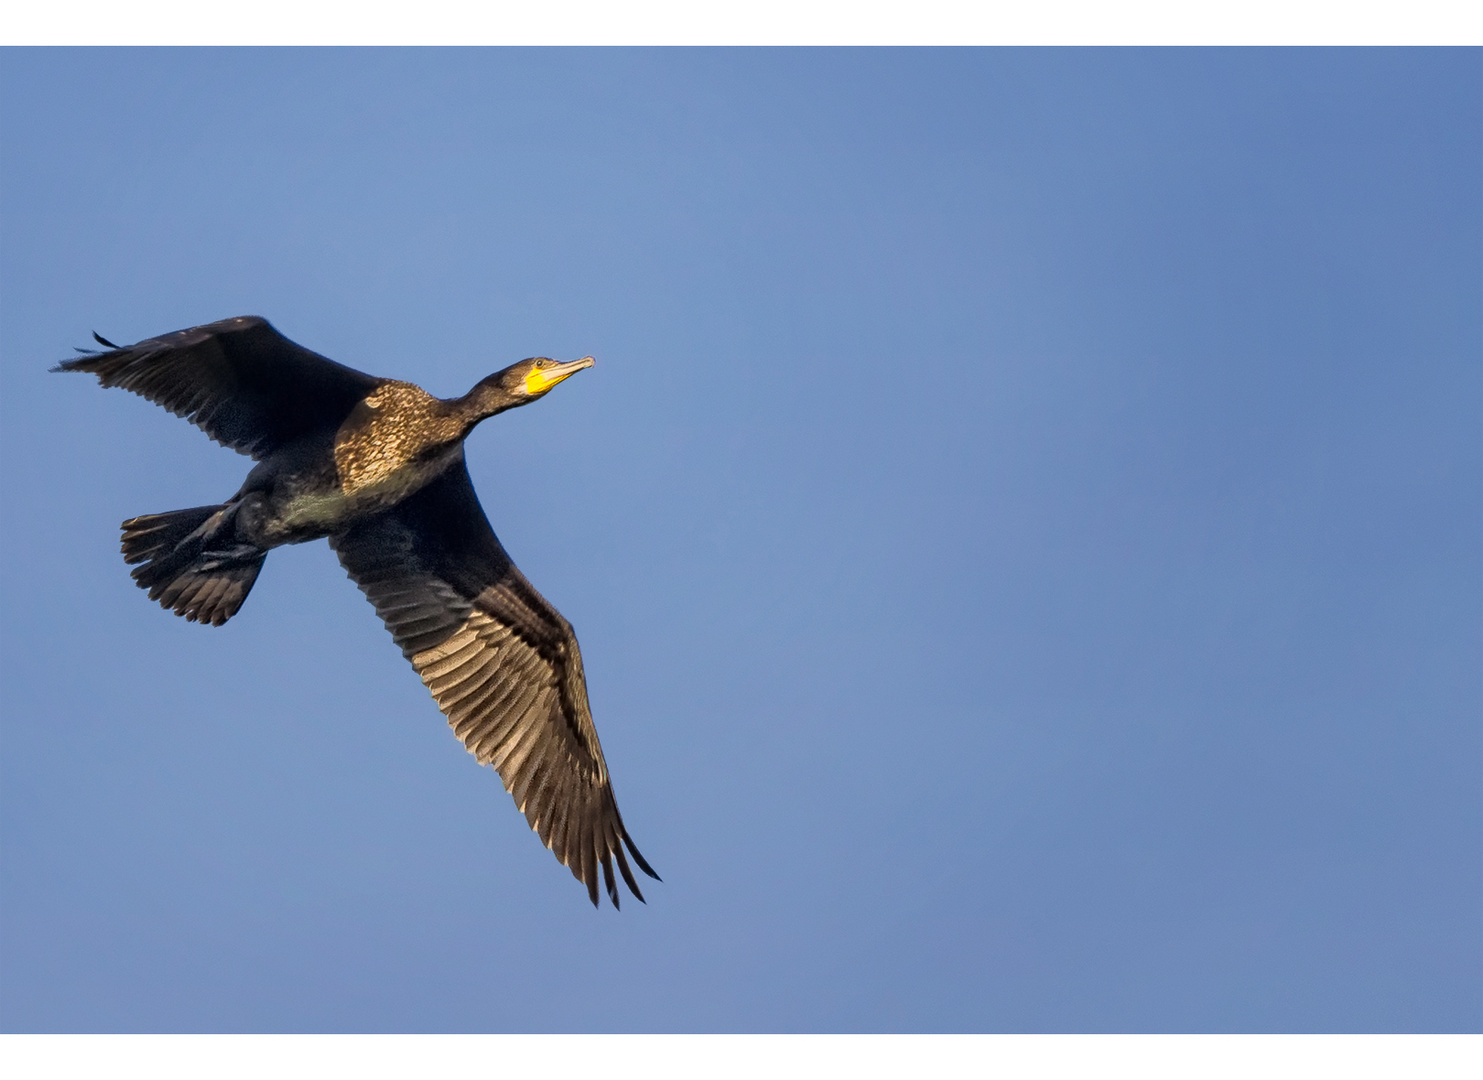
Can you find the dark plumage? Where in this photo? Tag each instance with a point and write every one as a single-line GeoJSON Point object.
{"type": "Point", "coordinates": [377, 466]}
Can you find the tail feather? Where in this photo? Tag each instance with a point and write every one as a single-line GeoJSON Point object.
{"type": "Point", "coordinates": [187, 566]}
{"type": "Point", "coordinates": [208, 595]}
{"type": "Point", "coordinates": [151, 535]}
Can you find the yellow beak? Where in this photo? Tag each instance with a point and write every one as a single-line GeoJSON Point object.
{"type": "Point", "coordinates": [539, 380]}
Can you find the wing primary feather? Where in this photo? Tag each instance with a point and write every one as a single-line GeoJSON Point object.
{"type": "Point", "coordinates": [537, 810]}
{"type": "Point", "coordinates": [527, 774]}
{"type": "Point", "coordinates": [607, 880]}
{"type": "Point", "coordinates": [643, 864]}
{"type": "Point", "coordinates": [561, 819]}
{"type": "Point", "coordinates": [589, 870]}
{"type": "Point", "coordinates": [565, 818]}
{"type": "Point", "coordinates": [623, 869]}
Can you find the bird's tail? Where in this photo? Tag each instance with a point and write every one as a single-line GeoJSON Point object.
{"type": "Point", "coordinates": [193, 564]}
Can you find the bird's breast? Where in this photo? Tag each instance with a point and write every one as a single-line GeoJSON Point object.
{"type": "Point", "coordinates": [394, 429]}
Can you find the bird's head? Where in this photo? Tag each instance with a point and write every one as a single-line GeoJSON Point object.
{"type": "Point", "coordinates": [522, 383]}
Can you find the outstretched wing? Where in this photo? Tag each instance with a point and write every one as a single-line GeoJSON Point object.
{"type": "Point", "coordinates": [502, 664]}
{"type": "Point", "coordinates": [238, 380]}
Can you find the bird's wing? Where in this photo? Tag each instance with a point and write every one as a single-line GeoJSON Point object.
{"type": "Point", "coordinates": [501, 662]}
{"type": "Point", "coordinates": [238, 380]}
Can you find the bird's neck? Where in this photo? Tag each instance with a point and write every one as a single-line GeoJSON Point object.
{"type": "Point", "coordinates": [480, 403]}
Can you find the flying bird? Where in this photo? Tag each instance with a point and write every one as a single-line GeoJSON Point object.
{"type": "Point", "coordinates": [377, 466]}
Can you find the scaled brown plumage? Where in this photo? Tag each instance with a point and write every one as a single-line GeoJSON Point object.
{"type": "Point", "coordinates": [377, 466]}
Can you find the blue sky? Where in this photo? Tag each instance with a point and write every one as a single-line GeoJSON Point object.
{"type": "Point", "coordinates": [1023, 530]}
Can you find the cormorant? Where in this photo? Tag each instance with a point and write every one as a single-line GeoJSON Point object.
{"type": "Point", "coordinates": [377, 466]}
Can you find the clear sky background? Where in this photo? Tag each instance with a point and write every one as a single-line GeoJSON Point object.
{"type": "Point", "coordinates": [1023, 530]}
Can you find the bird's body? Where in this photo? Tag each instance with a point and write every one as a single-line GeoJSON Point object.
{"type": "Point", "coordinates": [394, 442]}
{"type": "Point", "coordinates": [376, 465]}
